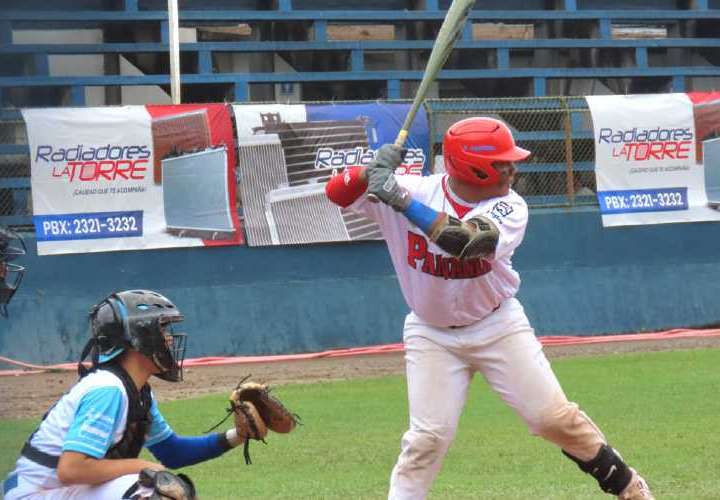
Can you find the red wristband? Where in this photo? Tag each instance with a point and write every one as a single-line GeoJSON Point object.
{"type": "Point", "coordinates": [343, 189]}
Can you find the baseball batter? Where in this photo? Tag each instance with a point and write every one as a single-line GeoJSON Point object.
{"type": "Point", "coordinates": [451, 239]}
{"type": "Point", "coordinates": [88, 443]}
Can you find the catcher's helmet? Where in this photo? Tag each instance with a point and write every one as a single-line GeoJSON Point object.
{"type": "Point", "coordinates": [11, 247]}
{"type": "Point", "coordinates": [471, 146]}
{"type": "Point", "coordinates": [140, 320]}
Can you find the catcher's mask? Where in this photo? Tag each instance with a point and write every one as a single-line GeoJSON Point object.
{"type": "Point", "coordinates": [141, 320]}
{"type": "Point", "coordinates": [12, 246]}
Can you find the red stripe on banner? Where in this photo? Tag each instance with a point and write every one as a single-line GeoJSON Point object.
{"type": "Point", "coordinates": [706, 112]}
{"type": "Point", "coordinates": [29, 368]}
{"type": "Point", "coordinates": [702, 97]}
{"type": "Point", "coordinates": [221, 132]}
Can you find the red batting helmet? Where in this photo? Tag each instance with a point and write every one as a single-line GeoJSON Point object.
{"type": "Point", "coordinates": [471, 146]}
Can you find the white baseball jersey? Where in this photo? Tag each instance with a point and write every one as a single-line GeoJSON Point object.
{"type": "Point", "coordinates": [88, 419]}
{"type": "Point", "coordinates": [441, 289]}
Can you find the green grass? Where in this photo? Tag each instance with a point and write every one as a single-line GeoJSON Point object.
{"type": "Point", "coordinates": [661, 411]}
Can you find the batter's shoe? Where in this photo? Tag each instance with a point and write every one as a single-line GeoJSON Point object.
{"type": "Point", "coordinates": [638, 489]}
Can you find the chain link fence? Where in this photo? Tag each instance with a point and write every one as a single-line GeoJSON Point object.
{"type": "Point", "coordinates": [558, 132]}
{"type": "Point", "coordinates": [15, 199]}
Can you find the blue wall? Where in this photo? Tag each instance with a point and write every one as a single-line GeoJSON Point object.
{"type": "Point", "coordinates": [578, 278]}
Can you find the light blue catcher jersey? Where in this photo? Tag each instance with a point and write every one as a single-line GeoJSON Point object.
{"type": "Point", "coordinates": [89, 419]}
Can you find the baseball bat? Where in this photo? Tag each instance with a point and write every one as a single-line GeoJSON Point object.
{"type": "Point", "coordinates": [450, 31]}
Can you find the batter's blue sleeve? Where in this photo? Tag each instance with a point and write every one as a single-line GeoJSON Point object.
{"type": "Point", "coordinates": [421, 215]}
{"type": "Point", "coordinates": [96, 420]}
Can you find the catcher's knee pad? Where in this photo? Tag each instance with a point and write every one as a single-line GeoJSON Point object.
{"type": "Point", "coordinates": [608, 468]}
{"type": "Point", "coordinates": [571, 429]}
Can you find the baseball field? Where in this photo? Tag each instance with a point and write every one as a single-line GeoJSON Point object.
{"type": "Point", "coordinates": [657, 402]}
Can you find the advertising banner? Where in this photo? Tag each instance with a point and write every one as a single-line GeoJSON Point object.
{"type": "Point", "coordinates": [649, 152]}
{"type": "Point", "coordinates": [132, 177]}
{"type": "Point", "coordinates": [287, 153]}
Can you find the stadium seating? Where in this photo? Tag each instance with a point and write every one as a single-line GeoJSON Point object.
{"type": "Point", "coordinates": [91, 51]}
{"type": "Point", "coordinates": [109, 52]}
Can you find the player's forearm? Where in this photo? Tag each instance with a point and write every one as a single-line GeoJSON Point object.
{"type": "Point", "coordinates": [181, 451]}
{"type": "Point", "coordinates": [477, 237]}
{"type": "Point", "coordinates": [77, 468]}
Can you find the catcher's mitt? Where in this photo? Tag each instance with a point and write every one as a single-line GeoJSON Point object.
{"type": "Point", "coordinates": [248, 425]}
{"type": "Point", "coordinates": [273, 413]}
{"type": "Point", "coordinates": [255, 411]}
{"type": "Point", "coordinates": [248, 422]}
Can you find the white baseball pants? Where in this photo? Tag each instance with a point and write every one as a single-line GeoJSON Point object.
{"type": "Point", "coordinates": [111, 490]}
{"type": "Point", "coordinates": [440, 363]}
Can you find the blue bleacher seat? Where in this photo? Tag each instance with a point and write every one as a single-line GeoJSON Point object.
{"type": "Point", "coordinates": [524, 48]}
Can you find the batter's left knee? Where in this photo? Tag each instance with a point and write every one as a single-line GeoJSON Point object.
{"type": "Point", "coordinates": [423, 448]}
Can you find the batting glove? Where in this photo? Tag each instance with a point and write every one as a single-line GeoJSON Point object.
{"type": "Point", "coordinates": [388, 157]}
{"type": "Point", "coordinates": [382, 184]}
{"type": "Point", "coordinates": [384, 187]}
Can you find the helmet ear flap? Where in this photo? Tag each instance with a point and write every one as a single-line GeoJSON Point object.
{"type": "Point", "coordinates": [108, 326]}
{"type": "Point", "coordinates": [481, 174]}
{"type": "Point", "coordinates": [108, 336]}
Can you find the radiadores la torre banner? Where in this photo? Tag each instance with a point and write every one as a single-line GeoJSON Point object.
{"type": "Point", "coordinates": [140, 177]}
{"type": "Point", "coordinates": [657, 157]}
{"type": "Point", "coordinates": [132, 177]}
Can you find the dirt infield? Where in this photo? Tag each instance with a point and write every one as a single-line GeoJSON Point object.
{"type": "Point", "coordinates": [31, 395]}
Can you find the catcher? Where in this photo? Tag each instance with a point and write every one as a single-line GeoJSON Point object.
{"type": "Point", "coordinates": [88, 443]}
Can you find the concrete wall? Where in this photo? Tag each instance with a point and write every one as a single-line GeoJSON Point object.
{"type": "Point", "coordinates": [578, 278]}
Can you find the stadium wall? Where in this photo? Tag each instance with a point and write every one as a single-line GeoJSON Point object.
{"type": "Point", "coordinates": [578, 279]}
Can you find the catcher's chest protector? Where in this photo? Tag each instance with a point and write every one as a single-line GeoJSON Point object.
{"type": "Point", "coordinates": [138, 417]}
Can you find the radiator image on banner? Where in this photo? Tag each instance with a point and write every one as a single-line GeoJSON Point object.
{"type": "Point", "coordinates": [178, 132]}
{"type": "Point", "coordinates": [201, 177]}
{"type": "Point", "coordinates": [132, 177]}
{"type": "Point", "coordinates": [711, 155]}
{"type": "Point", "coordinates": [706, 111]}
{"type": "Point", "coordinates": [287, 153]}
{"type": "Point", "coordinates": [655, 159]}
